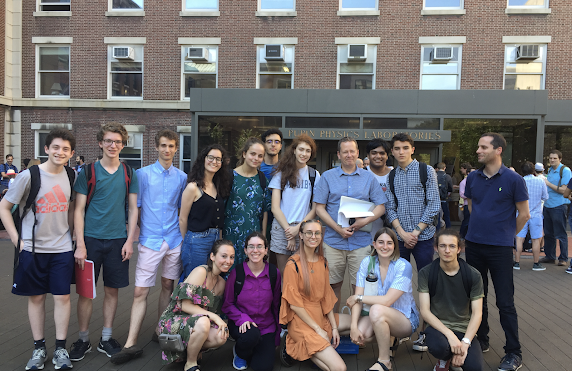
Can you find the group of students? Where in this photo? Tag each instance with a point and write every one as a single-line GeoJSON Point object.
{"type": "Point", "coordinates": [213, 223]}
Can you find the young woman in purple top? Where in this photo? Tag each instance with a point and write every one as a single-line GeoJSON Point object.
{"type": "Point", "coordinates": [253, 315]}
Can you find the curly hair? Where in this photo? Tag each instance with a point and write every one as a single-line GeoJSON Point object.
{"type": "Point", "coordinates": [221, 179]}
{"type": "Point", "coordinates": [287, 165]}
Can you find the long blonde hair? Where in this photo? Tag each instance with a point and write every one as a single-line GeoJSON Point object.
{"type": "Point", "coordinates": [302, 253]}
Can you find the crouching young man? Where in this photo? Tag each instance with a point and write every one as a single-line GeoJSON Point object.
{"type": "Point", "coordinates": [451, 298]}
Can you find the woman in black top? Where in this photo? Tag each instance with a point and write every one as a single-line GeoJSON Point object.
{"type": "Point", "coordinates": [201, 217]}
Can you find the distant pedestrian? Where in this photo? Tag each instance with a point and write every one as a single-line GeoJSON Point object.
{"type": "Point", "coordinates": [465, 170]}
{"type": "Point", "coordinates": [445, 183]}
{"type": "Point", "coordinates": [4, 171]}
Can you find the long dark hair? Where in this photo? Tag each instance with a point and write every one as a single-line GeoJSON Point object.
{"type": "Point", "coordinates": [287, 164]}
{"type": "Point", "coordinates": [221, 178]}
{"type": "Point", "coordinates": [214, 250]}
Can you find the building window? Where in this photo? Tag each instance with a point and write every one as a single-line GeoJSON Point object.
{"type": "Point", "coordinates": [442, 4]}
{"type": "Point", "coordinates": [522, 70]}
{"type": "Point", "coordinates": [131, 153]}
{"type": "Point", "coordinates": [126, 4]}
{"type": "Point", "coordinates": [358, 4]}
{"type": "Point", "coordinates": [185, 165]}
{"type": "Point", "coordinates": [54, 5]}
{"type": "Point", "coordinates": [356, 66]}
{"type": "Point", "coordinates": [53, 68]}
{"type": "Point", "coordinates": [275, 67]}
{"type": "Point", "coordinates": [125, 71]}
{"type": "Point", "coordinates": [199, 65]}
{"type": "Point", "coordinates": [200, 5]}
{"type": "Point", "coordinates": [440, 67]}
{"type": "Point", "coordinates": [40, 139]}
{"type": "Point", "coordinates": [277, 5]}
{"type": "Point", "coordinates": [528, 3]}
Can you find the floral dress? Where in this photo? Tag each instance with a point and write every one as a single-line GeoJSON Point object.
{"type": "Point", "coordinates": [244, 208]}
{"type": "Point", "coordinates": [175, 321]}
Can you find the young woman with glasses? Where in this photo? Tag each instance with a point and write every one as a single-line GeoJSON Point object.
{"type": "Point", "coordinates": [248, 203]}
{"type": "Point", "coordinates": [201, 217]}
{"type": "Point", "coordinates": [292, 197]}
{"type": "Point", "coordinates": [308, 305]}
{"type": "Point", "coordinates": [253, 313]}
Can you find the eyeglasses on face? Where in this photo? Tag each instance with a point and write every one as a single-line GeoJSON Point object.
{"type": "Point", "coordinates": [277, 141]}
{"type": "Point", "coordinates": [211, 158]}
{"type": "Point", "coordinates": [309, 234]}
{"type": "Point", "coordinates": [109, 142]}
{"type": "Point", "coordinates": [255, 247]}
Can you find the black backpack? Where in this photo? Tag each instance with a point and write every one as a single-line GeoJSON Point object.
{"type": "Point", "coordinates": [443, 186]}
{"type": "Point", "coordinates": [465, 274]}
{"type": "Point", "coordinates": [241, 275]}
{"type": "Point", "coordinates": [36, 183]}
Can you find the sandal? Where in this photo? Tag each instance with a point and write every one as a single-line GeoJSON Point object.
{"type": "Point", "coordinates": [194, 368]}
{"type": "Point", "coordinates": [384, 367]}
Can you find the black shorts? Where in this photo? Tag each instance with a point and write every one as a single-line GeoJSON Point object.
{"type": "Point", "coordinates": [39, 274]}
{"type": "Point", "coordinates": [107, 253]}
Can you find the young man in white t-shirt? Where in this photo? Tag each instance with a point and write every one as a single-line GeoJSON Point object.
{"type": "Point", "coordinates": [46, 262]}
{"type": "Point", "coordinates": [377, 153]}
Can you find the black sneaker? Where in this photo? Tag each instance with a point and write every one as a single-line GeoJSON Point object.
{"type": "Point", "coordinates": [420, 345]}
{"type": "Point", "coordinates": [109, 347]}
{"type": "Point", "coordinates": [79, 349]}
{"type": "Point", "coordinates": [510, 362]}
{"type": "Point", "coordinates": [484, 346]}
{"type": "Point", "coordinates": [126, 355]}
{"type": "Point", "coordinates": [285, 359]}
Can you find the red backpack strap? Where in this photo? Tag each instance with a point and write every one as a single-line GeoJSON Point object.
{"type": "Point", "coordinates": [127, 174]}
{"type": "Point", "coordinates": [90, 175]}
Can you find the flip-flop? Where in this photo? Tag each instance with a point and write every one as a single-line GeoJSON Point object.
{"type": "Point", "coordinates": [194, 368]}
{"type": "Point", "coordinates": [384, 367]}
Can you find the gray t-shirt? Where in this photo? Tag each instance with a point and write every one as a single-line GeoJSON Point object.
{"type": "Point", "coordinates": [450, 303]}
{"type": "Point", "coordinates": [52, 204]}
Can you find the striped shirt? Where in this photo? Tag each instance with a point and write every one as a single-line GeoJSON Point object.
{"type": "Point", "coordinates": [537, 192]}
{"type": "Point", "coordinates": [398, 277]}
{"type": "Point", "coordinates": [414, 206]}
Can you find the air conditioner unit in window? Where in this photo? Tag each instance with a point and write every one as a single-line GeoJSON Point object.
{"type": "Point", "coordinates": [123, 52]}
{"type": "Point", "coordinates": [274, 52]}
{"type": "Point", "coordinates": [527, 52]}
{"type": "Point", "coordinates": [357, 52]}
{"type": "Point", "coordinates": [198, 54]}
{"type": "Point", "coordinates": [442, 54]}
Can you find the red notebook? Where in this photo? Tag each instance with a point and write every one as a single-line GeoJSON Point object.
{"type": "Point", "coordinates": [85, 280]}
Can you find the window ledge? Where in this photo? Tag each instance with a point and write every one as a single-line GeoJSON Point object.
{"type": "Point", "coordinates": [443, 11]}
{"type": "Point", "coordinates": [357, 13]}
{"type": "Point", "coordinates": [52, 14]}
{"type": "Point", "coordinates": [528, 10]}
{"type": "Point", "coordinates": [125, 13]}
{"type": "Point", "coordinates": [269, 13]}
{"type": "Point", "coordinates": [191, 13]}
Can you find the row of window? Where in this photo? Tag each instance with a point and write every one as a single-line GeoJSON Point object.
{"type": "Point", "coordinates": [440, 67]}
{"type": "Point", "coordinates": [280, 5]}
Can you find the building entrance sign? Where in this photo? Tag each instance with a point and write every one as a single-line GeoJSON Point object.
{"type": "Point", "coordinates": [368, 134]}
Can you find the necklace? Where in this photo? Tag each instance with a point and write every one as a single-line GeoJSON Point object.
{"type": "Point", "coordinates": [311, 267]}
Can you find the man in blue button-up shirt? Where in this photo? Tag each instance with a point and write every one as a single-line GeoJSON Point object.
{"type": "Point", "coordinates": [159, 199]}
{"type": "Point", "coordinates": [346, 245]}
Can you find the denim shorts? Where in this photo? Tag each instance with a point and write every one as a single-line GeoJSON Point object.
{"type": "Point", "coordinates": [278, 241]}
{"type": "Point", "coordinates": [196, 249]}
{"type": "Point", "coordinates": [39, 274]}
{"type": "Point", "coordinates": [107, 253]}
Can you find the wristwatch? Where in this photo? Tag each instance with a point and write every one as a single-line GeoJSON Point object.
{"type": "Point", "coordinates": [359, 298]}
{"type": "Point", "coordinates": [466, 341]}
{"type": "Point", "coordinates": [417, 228]}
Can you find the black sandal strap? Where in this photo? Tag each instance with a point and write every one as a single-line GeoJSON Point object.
{"type": "Point", "coordinates": [194, 368]}
{"type": "Point", "coordinates": [384, 367]}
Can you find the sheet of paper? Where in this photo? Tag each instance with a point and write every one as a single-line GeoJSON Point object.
{"type": "Point", "coordinates": [353, 208]}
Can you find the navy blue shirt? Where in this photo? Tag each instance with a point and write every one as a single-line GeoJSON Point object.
{"type": "Point", "coordinates": [493, 215]}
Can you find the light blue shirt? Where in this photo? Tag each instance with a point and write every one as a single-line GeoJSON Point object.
{"type": "Point", "coordinates": [334, 184]}
{"type": "Point", "coordinates": [537, 192]}
{"type": "Point", "coordinates": [555, 199]}
{"type": "Point", "coordinates": [159, 198]}
{"type": "Point", "coordinates": [398, 277]}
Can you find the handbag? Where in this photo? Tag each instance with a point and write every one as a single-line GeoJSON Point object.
{"type": "Point", "coordinates": [171, 343]}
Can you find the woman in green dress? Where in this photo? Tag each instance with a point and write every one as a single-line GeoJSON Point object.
{"type": "Point", "coordinates": [248, 203]}
{"type": "Point", "coordinates": [195, 306]}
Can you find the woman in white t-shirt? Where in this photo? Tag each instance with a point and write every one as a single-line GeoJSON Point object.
{"type": "Point", "coordinates": [292, 205]}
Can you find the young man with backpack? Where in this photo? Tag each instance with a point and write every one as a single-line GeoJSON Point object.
{"type": "Point", "coordinates": [44, 259]}
{"type": "Point", "coordinates": [451, 303]}
{"type": "Point", "coordinates": [161, 186]}
{"type": "Point", "coordinates": [445, 184]}
{"type": "Point", "coordinates": [104, 190]}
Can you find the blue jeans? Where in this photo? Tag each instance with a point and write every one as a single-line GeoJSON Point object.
{"type": "Point", "coordinates": [446, 213]}
{"type": "Point", "coordinates": [422, 252]}
{"type": "Point", "coordinates": [498, 261]}
{"type": "Point", "coordinates": [555, 229]}
{"type": "Point", "coordinates": [196, 248]}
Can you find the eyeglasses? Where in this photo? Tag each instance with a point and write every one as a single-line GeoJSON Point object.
{"type": "Point", "coordinates": [309, 234]}
{"type": "Point", "coordinates": [109, 142]}
{"type": "Point", "coordinates": [211, 158]}
{"type": "Point", "coordinates": [270, 141]}
{"type": "Point", "coordinates": [255, 247]}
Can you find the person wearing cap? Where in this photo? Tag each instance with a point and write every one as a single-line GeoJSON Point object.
{"type": "Point", "coordinates": [539, 169]}
{"type": "Point", "coordinates": [556, 210]}
{"type": "Point", "coordinates": [4, 168]}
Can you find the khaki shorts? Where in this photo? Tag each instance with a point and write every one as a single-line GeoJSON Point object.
{"type": "Point", "coordinates": [148, 264]}
{"type": "Point", "coordinates": [339, 259]}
